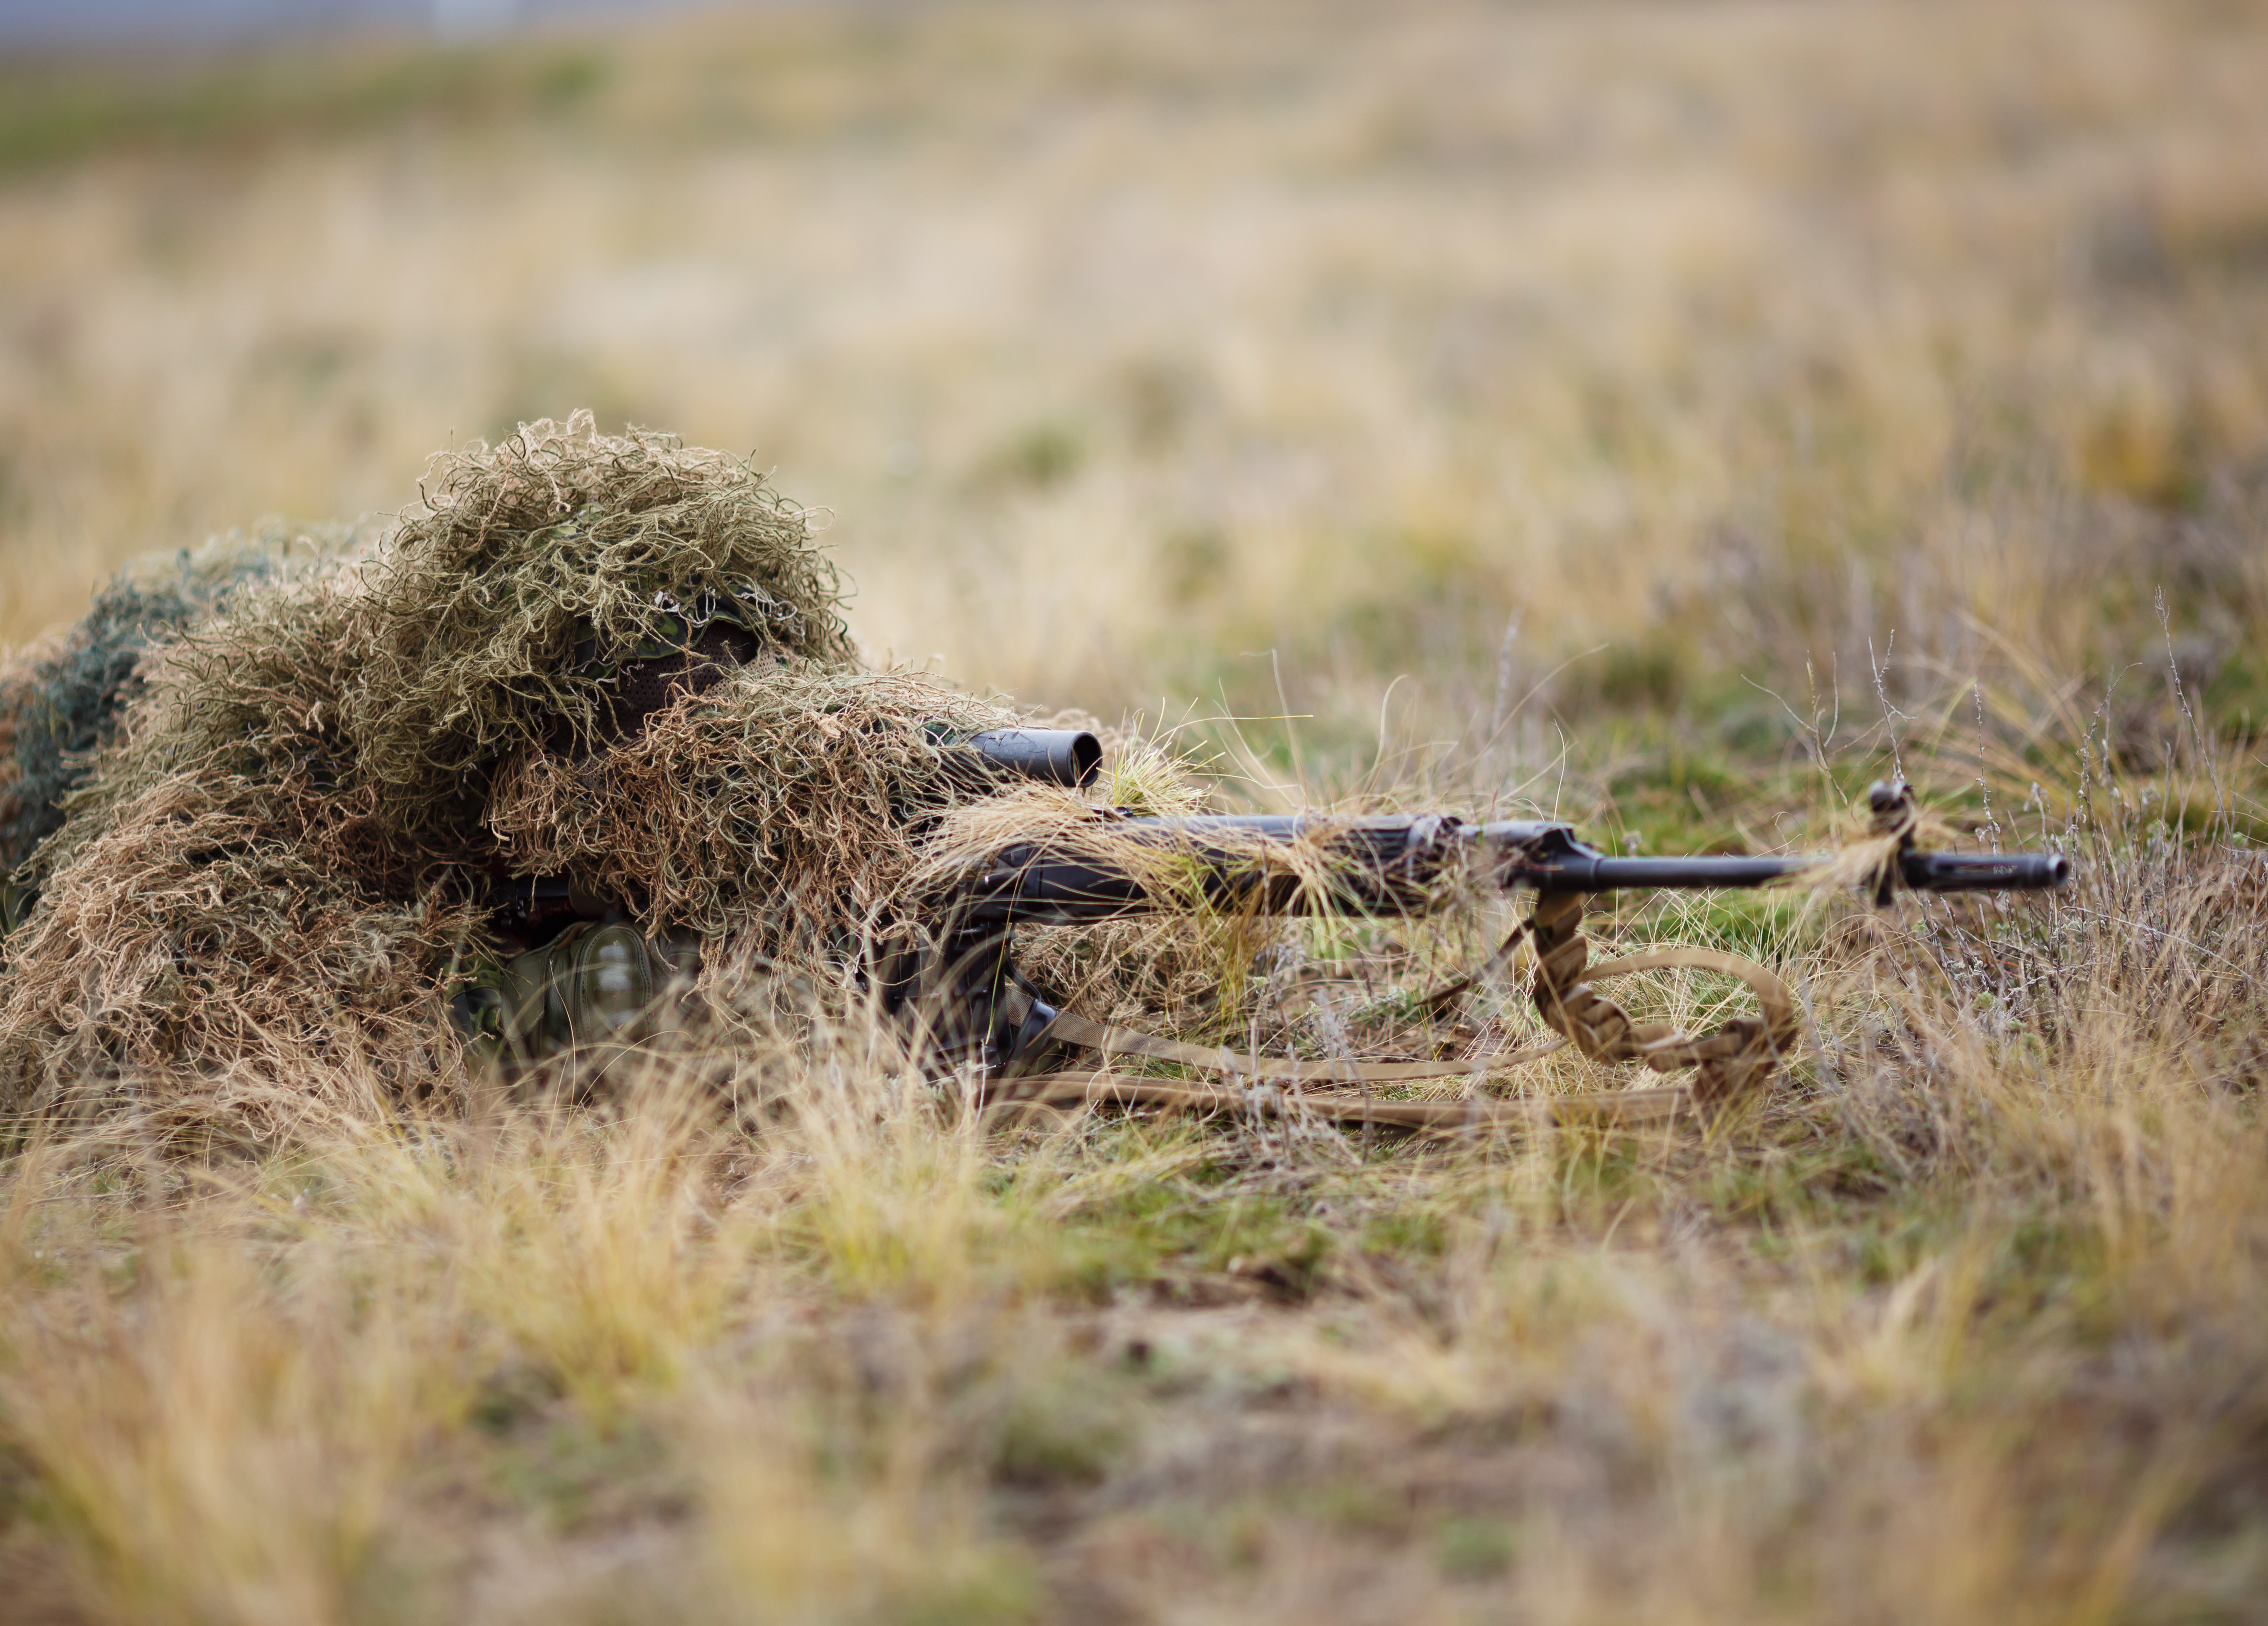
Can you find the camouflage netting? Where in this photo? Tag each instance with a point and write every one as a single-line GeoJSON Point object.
{"type": "Point", "coordinates": [61, 698]}
{"type": "Point", "coordinates": [301, 785]}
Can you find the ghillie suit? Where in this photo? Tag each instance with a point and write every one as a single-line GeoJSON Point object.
{"type": "Point", "coordinates": [578, 755]}
{"type": "Point", "coordinates": [612, 657]}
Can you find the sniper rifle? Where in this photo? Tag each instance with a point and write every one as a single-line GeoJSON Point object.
{"type": "Point", "coordinates": [963, 987]}
{"type": "Point", "coordinates": [949, 977]}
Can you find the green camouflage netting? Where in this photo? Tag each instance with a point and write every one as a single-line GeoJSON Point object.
{"type": "Point", "coordinates": [62, 703]}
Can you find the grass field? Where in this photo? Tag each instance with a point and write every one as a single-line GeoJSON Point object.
{"type": "Point", "coordinates": [1668, 416]}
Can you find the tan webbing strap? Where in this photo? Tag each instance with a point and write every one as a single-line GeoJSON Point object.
{"type": "Point", "coordinates": [1731, 1065]}
{"type": "Point", "coordinates": [1602, 1108]}
{"type": "Point", "coordinates": [1114, 1041]}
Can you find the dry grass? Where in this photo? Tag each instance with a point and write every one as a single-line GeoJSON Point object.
{"type": "Point", "coordinates": [1881, 385]}
{"type": "Point", "coordinates": [1971, 1328]}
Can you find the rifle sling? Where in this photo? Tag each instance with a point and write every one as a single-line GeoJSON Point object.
{"type": "Point", "coordinates": [1111, 1040]}
{"type": "Point", "coordinates": [1617, 1108]}
{"type": "Point", "coordinates": [1734, 1064]}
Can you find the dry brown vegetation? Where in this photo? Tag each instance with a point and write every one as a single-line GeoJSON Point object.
{"type": "Point", "coordinates": [1669, 415]}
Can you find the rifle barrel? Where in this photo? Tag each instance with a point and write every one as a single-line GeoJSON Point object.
{"type": "Point", "coordinates": [1604, 874]}
{"type": "Point", "coordinates": [1919, 872]}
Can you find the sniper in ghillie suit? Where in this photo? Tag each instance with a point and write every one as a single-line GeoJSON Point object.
{"type": "Point", "coordinates": [576, 764]}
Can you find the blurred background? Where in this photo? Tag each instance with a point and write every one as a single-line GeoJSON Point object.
{"type": "Point", "coordinates": [1461, 372]}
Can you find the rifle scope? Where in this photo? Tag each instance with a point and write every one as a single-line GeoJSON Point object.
{"type": "Point", "coordinates": [1071, 757]}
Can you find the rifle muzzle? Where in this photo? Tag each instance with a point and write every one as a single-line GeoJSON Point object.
{"type": "Point", "coordinates": [1984, 871]}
